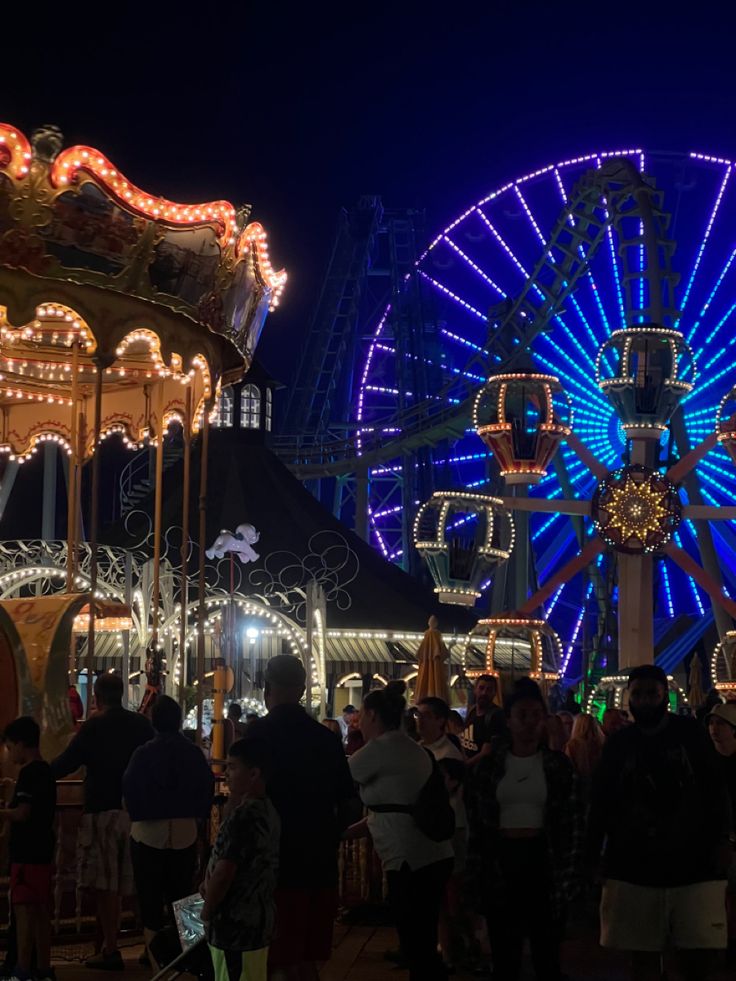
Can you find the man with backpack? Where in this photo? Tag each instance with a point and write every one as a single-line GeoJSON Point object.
{"type": "Point", "coordinates": [411, 822]}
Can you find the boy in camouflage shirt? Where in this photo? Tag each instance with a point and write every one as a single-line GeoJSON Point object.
{"type": "Point", "coordinates": [239, 886]}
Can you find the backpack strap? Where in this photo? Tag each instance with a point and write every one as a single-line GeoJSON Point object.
{"type": "Point", "coordinates": [391, 808]}
{"type": "Point", "coordinates": [402, 808]}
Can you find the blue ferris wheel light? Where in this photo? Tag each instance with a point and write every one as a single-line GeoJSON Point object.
{"type": "Point", "coordinates": [484, 257]}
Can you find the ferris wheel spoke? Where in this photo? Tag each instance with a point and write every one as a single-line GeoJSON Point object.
{"type": "Point", "coordinates": [378, 536]}
{"type": "Point", "coordinates": [587, 391]}
{"type": "Point", "coordinates": [453, 296]}
{"type": "Point", "coordinates": [476, 268]}
{"type": "Point", "coordinates": [614, 260]}
{"type": "Point", "coordinates": [545, 526]}
{"type": "Point", "coordinates": [589, 277]}
{"type": "Point", "coordinates": [642, 260]}
{"type": "Point", "coordinates": [667, 590]}
{"type": "Point", "coordinates": [576, 631]}
{"type": "Point", "coordinates": [714, 379]}
{"type": "Point", "coordinates": [679, 470]}
{"type": "Point", "coordinates": [704, 242]}
{"type": "Point", "coordinates": [463, 342]}
{"type": "Point", "coordinates": [593, 548]}
{"type": "Point", "coordinates": [583, 319]}
{"type": "Point", "coordinates": [711, 337]}
{"type": "Point", "coordinates": [553, 602]}
{"type": "Point", "coordinates": [693, 585]}
{"type": "Point", "coordinates": [705, 581]}
{"type": "Point", "coordinates": [713, 501]}
{"type": "Point", "coordinates": [502, 242]}
{"type": "Point", "coordinates": [540, 293]}
{"type": "Point", "coordinates": [393, 353]}
{"type": "Point", "coordinates": [711, 297]}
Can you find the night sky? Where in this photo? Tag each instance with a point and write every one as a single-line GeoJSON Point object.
{"type": "Point", "coordinates": [299, 111]}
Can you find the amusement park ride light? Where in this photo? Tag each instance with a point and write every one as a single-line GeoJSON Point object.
{"type": "Point", "coordinates": [636, 509]}
{"type": "Point", "coordinates": [80, 158]}
{"type": "Point", "coordinates": [435, 537]}
{"type": "Point", "coordinates": [526, 630]}
{"type": "Point", "coordinates": [500, 432]}
{"type": "Point", "coordinates": [723, 663]}
{"type": "Point", "coordinates": [618, 683]}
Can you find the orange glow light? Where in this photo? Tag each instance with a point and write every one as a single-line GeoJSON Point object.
{"type": "Point", "coordinates": [15, 151]}
{"type": "Point", "coordinates": [255, 236]}
{"type": "Point", "coordinates": [85, 159]}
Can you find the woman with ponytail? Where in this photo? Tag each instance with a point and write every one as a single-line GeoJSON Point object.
{"type": "Point", "coordinates": [392, 771]}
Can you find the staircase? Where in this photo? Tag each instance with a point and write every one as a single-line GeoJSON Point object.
{"type": "Point", "coordinates": [137, 479]}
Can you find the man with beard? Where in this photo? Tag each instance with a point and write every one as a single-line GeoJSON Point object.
{"type": "Point", "coordinates": [485, 720]}
{"type": "Point", "coordinates": [662, 806]}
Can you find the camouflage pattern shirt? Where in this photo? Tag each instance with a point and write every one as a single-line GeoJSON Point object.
{"type": "Point", "coordinates": [249, 837]}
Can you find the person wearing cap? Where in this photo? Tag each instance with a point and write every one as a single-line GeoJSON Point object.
{"type": "Point", "coordinates": [311, 788]}
{"type": "Point", "coordinates": [722, 730]}
{"type": "Point", "coordinates": [346, 720]}
{"type": "Point", "coordinates": [661, 804]}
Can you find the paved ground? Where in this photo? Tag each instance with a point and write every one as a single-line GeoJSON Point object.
{"type": "Point", "coordinates": [358, 956]}
{"type": "Point", "coordinates": [68, 962]}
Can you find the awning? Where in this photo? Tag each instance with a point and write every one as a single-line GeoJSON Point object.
{"type": "Point", "coordinates": [355, 651]}
{"type": "Point", "coordinates": [387, 652]}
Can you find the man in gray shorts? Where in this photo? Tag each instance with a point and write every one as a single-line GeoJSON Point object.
{"type": "Point", "coordinates": [661, 805]}
{"type": "Point", "coordinates": [104, 746]}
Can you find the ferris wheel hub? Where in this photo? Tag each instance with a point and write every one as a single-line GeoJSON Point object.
{"type": "Point", "coordinates": [636, 510]}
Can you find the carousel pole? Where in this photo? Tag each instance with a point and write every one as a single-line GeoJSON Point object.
{"type": "Point", "coordinates": [153, 662]}
{"type": "Point", "coordinates": [126, 634]}
{"type": "Point", "coordinates": [157, 509]}
{"type": "Point", "coordinates": [219, 678]}
{"type": "Point", "coordinates": [94, 525]}
{"type": "Point", "coordinates": [71, 490]}
{"type": "Point", "coordinates": [184, 591]}
{"type": "Point", "coordinates": [202, 605]}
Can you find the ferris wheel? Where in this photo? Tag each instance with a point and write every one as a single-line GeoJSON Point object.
{"type": "Point", "coordinates": [469, 276]}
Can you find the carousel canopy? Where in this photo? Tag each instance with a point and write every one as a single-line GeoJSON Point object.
{"type": "Point", "coordinates": [100, 280]}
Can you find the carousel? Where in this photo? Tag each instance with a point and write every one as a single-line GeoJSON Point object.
{"type": "Point", "coordinates": [121, 313]}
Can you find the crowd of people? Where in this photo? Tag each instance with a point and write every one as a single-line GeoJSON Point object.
{"type": "Point", "coordinates": [501, 820]}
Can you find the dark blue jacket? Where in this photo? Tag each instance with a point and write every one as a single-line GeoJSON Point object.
{"type": "Point", "coordinates": [168, 778]}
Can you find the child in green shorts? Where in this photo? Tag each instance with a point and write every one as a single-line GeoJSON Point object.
{"type": "Point", "coordinates": [239, 886]}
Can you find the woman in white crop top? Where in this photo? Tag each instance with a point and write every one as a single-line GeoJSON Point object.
{"type": "Point", "coordinates": [525, 823]}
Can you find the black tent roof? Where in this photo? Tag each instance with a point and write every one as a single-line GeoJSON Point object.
{"type": "Point", "coordinates": [247, 483]}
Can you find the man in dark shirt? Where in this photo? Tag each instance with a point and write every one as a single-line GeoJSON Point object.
{"type": "Point", "coordinates": [661, 804]}
{"type": "Point", "coordinates": [104, 745]}
{"type": "Point", "coordinates": [312, 790]}
{"type": "Point", "coordinates": [31, 818]}
{"type": "Point", "coordinates": [485, 720]}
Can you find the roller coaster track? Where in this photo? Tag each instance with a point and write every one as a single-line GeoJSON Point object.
{"type": "Point", "coordinates": [614, 197]}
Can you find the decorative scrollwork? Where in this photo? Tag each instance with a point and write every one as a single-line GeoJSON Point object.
{"type": "Point", "coordinates": [282, 578]}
